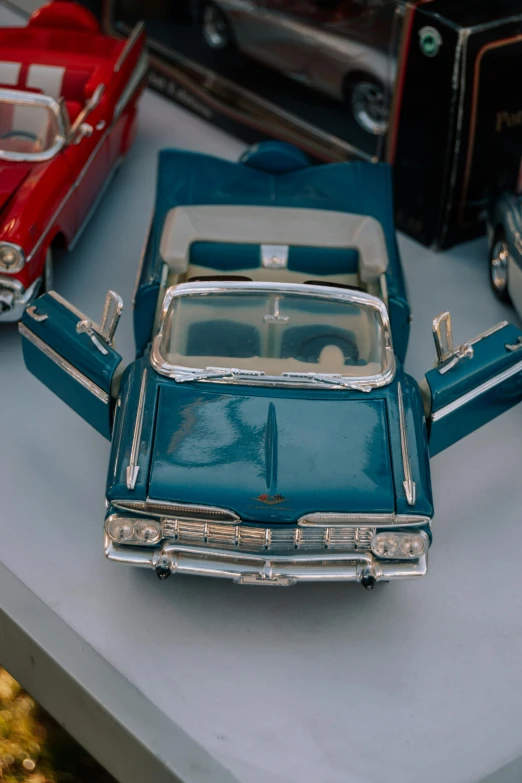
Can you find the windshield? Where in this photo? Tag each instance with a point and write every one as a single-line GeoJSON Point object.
{"type": "Point", "coordinates": [274, 333]}
{"type": "Point", "coordinates": [27, 128]}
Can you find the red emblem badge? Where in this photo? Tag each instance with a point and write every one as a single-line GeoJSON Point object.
{"type": "Point", "coordinates": [271, 500]}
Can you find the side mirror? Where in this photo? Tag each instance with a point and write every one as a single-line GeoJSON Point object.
{"type": "Point", "coordinates": [112, 311]}
{"type": "Point", "coordinates": [443, 336]}
{"type": "Point", "coordinates": [84, 130]}
{"type": "Point", "coordinates": [447, 355]}
{"type": "Point", "coordinates": [80, 128]}
{"type": "Point", "coordinates": [110, 318]}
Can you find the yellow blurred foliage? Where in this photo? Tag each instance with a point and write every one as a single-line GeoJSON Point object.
{"type": "Point", "coordinates": [22, 737]}
{"type": "Point", "coordinates": [34, 748]}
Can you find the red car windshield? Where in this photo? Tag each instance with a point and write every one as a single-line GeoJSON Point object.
{"type": "Point", "coordinates": [27, 128]}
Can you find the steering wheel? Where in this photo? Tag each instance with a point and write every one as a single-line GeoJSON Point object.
{"type": "Point", "coordinates": [22, 133]}
{"type": "Point", "coordinates": [310, 350]}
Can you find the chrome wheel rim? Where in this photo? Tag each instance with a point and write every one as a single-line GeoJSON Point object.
{"type": "Point", "coordinates": [215, 28]}
{"type": "Point", "coordinates": [499, 266]}
{"type": "Point", "coordinates": [370, 107]}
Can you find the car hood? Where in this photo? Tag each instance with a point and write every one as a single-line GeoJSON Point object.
{"type": "Point", "coordinates": [11, 177]}
{"type": "Point", "coordinates": [272, 459]}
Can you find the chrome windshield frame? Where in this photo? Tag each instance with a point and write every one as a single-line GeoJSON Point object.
{"type": "Point", "coordinates": [365, 383]}
{"type": "Point", "coordinates": [22, 98]}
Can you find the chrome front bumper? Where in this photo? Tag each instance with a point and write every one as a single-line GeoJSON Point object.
{"type": "Point", "coordinates": [278, 570]}
{"type": "Point", "coordinates": [14, 298]}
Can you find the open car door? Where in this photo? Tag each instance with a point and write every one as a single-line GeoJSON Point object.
{"type": "Point", "coordinates": [73, 356]}
{"type": "Point", "coordinates": [473, 383]}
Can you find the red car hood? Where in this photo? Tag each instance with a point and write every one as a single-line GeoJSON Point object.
{"type": "Point", "coordinates": [11, 177]}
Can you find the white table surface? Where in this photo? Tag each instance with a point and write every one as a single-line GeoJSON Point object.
{"type": "Point", "coordinates": [317, 683]}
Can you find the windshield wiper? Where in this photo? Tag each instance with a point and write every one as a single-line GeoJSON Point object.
{"type": "Point", "coordinates": [335, 380]}
{"type": "Point", "coordinates": [215, 372]}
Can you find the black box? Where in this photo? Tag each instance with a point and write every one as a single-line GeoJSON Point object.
{"type": "Point", "coordinates": [430, 86]}
{"type": "Point", "coordinates": [456, 135]}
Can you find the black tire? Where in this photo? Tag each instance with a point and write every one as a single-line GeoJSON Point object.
{"type": "Point", "coordinates": [217, 31]}
{"type": "Point", "coordinates": [47, 277]}
{"type": "Point", "coordinates": [368, 100]}
{"type": "Point", "coordinates": [499, 266]}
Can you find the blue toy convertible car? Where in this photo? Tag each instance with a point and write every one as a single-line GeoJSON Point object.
{"type": "Point", "coordinates": [266, 431]}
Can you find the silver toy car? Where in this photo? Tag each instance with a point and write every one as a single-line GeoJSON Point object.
{"type": "Point", "coordinates": [505, 248]}
{"type": "Point", "coordinates": [336, 48]}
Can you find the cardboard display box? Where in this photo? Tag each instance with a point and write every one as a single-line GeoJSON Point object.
{"type": "Point", "coordinates": [431, 86]}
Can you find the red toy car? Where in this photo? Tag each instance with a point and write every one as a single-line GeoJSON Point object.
{"type": "Point", "coordinates": [68, 98]}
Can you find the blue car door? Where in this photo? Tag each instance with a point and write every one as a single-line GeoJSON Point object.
{"type": "Point", "coordinates": [73, 356]}
{"type": "Point", "coordinates": [473, 383]}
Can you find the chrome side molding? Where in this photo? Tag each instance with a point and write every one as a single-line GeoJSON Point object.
{"type": "Point", "coordinates": [133, 468]}
{"type": "Point", "coordinates": [408, 484]}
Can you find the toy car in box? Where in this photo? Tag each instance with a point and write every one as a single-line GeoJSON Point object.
{"type": "Point", "coordinates": [68, 102]}
{"type": "Point", "coordinates": [505, 248]}
{"type": "Point", "coordinates": [426, 85]}
{"type": "Point", "coordinates": [266, 431]}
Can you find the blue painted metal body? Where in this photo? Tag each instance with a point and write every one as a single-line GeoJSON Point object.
{"type": "Point", "coordinates": [477, 389]}
{"type": "Point", "coordinates": [276, 175]}
{"type": "Point", "coordinates": [221, 445]}
{"type": "Point", "coordinates": [270, 454]}
{"type": "Point", "coordinates": [88, 391]}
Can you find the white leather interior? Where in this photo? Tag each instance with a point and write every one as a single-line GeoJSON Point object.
{"type": "Point", "coordinates": [273, 225]}
{"type": "Point", "coordinates": [47, 78]}
{"type": "Point", "coordinates": [9, 72]}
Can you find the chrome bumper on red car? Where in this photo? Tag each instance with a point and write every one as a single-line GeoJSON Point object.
{"type": "Point", "coordinates": [278, 570]}
{"type": "Point", "coordinates": [14, 298]}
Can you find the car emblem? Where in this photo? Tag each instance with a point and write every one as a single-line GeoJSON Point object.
{"type": "Point", "coordinates": [270, 500]}
{"type": "Point", "coordinates": [430, 41]}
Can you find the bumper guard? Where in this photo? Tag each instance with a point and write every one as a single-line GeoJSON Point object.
{"type": "Point", "coordinates": [14, 298]}
{"type": "Point", "coordinates": [278, 570]}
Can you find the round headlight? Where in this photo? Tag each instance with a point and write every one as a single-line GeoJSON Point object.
{"type": "Point", "coordinates": [120, 529]}
{"type": "Point", "coordinates": [11, 258]}
{"type": "Point", "coordinates": [413, 544]}
{"type": "Point", "coordinates": [385, 544]}
{"type": "Point", "coordinates": [147, 531]}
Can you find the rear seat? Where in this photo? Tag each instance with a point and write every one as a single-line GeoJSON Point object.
{"type": "Point", "coordinates": [75, 86]}
{"type": "Point", "coordinates": [338, 246]}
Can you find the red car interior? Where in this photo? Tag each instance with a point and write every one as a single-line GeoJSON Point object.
{"type": "Point", "coordinates": [51, 181]}
{"type": "Point", "coordinates": [39, 55]}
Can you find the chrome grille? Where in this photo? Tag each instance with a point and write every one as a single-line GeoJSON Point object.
{"type": "Point", "coordinates": [267, 539]}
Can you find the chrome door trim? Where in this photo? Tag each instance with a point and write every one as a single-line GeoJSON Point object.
{"type": "Point", "coordinates": [64, 365]}
{"type": "Point", "coordinates": [488, 332]}
{"type": "Point", "coordinates": [474, 393]}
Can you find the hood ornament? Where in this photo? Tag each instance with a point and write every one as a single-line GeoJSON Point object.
{"type": "Point", "coordinates": [270, 500]}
